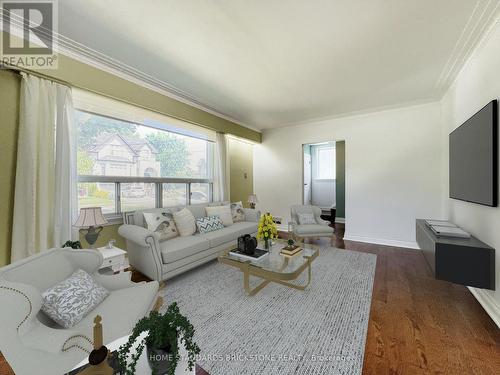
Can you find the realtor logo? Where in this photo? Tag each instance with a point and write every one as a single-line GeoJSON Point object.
{"type": "Point", "coordinates": [28, 34]}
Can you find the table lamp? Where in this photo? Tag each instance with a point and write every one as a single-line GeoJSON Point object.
{"type": "Point", "coordinates": [252, 200]}
{"type": "Point", "coordinates": [91, 218]}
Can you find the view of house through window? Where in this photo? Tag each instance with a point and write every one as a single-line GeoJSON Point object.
{"type": "Point", "coordinates": [123, 156]}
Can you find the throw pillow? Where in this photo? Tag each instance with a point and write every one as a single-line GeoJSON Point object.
{"type": "Point", "coordinates": [237, 211]}
{"type": "Point", "coordinates": [223, 212]}
{"type": "Point", "coordinates": [185, 222]}
{"type": "Point", "coordinates": [209, 224]}
{"type": "Point", "coordinates": [68, 302]}
{"type": "Point", "coordinates": [162, 223]}
{"type": "Point", "coordinates": [306, 219]}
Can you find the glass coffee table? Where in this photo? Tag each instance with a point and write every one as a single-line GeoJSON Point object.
{"type": "Point", "coordinates": [274, 267]}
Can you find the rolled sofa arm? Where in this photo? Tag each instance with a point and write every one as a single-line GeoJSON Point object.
{"type": "Point", "coordinates": [251, 215]}
{"type": "Point", "coordinates": [136, 234]}
{"type": "Point", "coordinates": [143, 248]}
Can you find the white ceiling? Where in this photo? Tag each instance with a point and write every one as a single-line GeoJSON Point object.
{"type": "Point", "coordinates": [270, 63]}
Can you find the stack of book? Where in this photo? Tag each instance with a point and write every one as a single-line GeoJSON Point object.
{"type": "Point", "coordinates": [290, 250]}
{"type": "Point", "coordinates": [446, 229]}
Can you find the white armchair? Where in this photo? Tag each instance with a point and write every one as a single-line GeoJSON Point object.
{"type": "Point", "coordinates": [319, 229]}
{"type": "Point", "coordinates": [31, 342]}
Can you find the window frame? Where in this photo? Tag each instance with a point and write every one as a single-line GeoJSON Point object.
{"type": "Point", "coordinates": [157, 181]}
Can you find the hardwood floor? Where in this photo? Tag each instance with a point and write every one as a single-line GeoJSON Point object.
{"type": "Point", "coordinates": [418, 325]}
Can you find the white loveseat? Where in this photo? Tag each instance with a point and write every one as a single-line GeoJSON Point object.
{"type": "Point", "coordinates": [31, 342]}
{"type": "Point", "coordinates": [161, 260]}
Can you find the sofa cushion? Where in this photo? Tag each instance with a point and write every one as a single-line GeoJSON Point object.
{"type": "Point", "coordinates": [162, 223]}
{"type": "Point", "coordinates": [209, 224]}
{"type": "Point", "coordinates": [224, 212]}
{"type": "Point", "coordinates": [181, 247]}
{"type": "Point", "coordinates": [68, 302]}
{"type": "Point", "coordinates": [312, 229]}
{"type": "Point", "coordinates": [221, 236]}
{"type": "Point", "coordinates": [237, 211]}
{"type": "Point", "coordinates": [306, 218]}
{"type": "Point", "coordinates": [198, 210]}
{"type": "Point", "coordinates": [246, 227]}
{"type": "Point", "coordinates": [185, 222]}
{"type": "Point", "coordinates": [116, 322]}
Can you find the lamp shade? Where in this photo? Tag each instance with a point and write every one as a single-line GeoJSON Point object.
{"type": "Point", "coordinates": [252, 198]}
{"type": "Point", "coordinates": [90, 217]}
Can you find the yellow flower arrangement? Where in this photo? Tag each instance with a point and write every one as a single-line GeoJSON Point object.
{"type": "Point", "coordinates": [267, 228]}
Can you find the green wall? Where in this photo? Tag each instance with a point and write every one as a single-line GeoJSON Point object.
{"type": "Point", "coordinates": [241, 170]}
{"type": "Point", "coordinates": [9, 120]}
{"type": "Point", "coordinates": [110, 232]}
{"type": "Point", "coordinates": [340, 186]}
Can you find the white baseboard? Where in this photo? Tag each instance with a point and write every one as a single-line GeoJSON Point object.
{"type": "Point", "coordinates": [382, 241]}
{"type": "Point", "coordinates": [340, 220]}
{"type": "Point", "coordinates": [491, 306]}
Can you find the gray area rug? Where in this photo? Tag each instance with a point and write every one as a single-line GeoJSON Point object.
{"type": "Point", "coordinates": [321, 330]}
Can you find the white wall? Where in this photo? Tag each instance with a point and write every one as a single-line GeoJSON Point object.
{"type": "Point", "coordinates": [476, 85]}
{"type": "Point", "coordinates": [393, 170]}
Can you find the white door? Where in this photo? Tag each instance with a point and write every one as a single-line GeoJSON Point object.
{"type": "Point", "coordinates": [307, 178]}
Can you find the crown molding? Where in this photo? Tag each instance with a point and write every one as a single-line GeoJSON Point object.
{"type": "Point", "coordinates": [96, 59]}
{"type": "Point", "coordinates": [360, 113]}
{"type": "Point", "coordinates": [101, 61]}
{"type": "Point", "coordinates": [480, 22]}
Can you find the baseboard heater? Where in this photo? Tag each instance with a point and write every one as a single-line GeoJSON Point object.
{"type": "Point", "coordinates": [465, 261]}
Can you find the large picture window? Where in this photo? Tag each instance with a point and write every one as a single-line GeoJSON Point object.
{"type": "Point", "coordinates": [126, 166]}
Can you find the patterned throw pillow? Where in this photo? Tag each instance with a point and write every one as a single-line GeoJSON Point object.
{"type": "Point", "coordinates": [306, 219]}
{"type": "Point", "coordinates": [223, 212]}
{"type": "Point", "coordinates": [162, 223]}
{"type": "Point", "coordinates": [185, 222]}
{"type": "Point", "coordinates": [209, 224]}
{"type": "Point", "coordinates": [68, 302]}
{"type": "Point", "coordinates": [237, 211]}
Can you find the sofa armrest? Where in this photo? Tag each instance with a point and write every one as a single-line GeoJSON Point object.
{"type": "Point", "coordinates": [137, 234]}
{"type": "Point", "coordinates": [251, 215]}
{"type": "Point", "coordinates": [119, 281]}
{"type": "Point", "coordinates": [144, 251]}
{"type": "Point", "coordinates": [24, 302]}
{"type": "Point", "coordinates": [55, 341]}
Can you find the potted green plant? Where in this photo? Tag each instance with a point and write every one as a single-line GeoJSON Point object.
{"type": "Point", "coordinates": [164, 332]}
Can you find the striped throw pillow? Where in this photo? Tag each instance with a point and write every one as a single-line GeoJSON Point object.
{"type": "Point", "coordinates": [209, 224]}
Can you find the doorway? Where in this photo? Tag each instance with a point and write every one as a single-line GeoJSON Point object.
{"type": "Point", "coordinates": [319, 177]}
{"type": "Point", "coordinates": [323, 181]}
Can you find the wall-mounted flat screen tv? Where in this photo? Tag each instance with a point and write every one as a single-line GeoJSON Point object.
{"type": "Point", "coordinates": [474, 158]}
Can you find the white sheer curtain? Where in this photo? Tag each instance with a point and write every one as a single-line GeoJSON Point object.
{"type": "Point", "coordinates": [221, 169]}
{"type": "Point", "coordinates": [45, 205]}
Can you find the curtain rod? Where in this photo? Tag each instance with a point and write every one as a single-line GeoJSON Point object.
{"type": "Point", "coordinates": [34, 73]}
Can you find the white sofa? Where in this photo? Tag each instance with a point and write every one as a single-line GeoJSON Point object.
{"type": "Point", "coordinates": [161, 260]}
{"type": "Point", "coordinates": [31, 342]}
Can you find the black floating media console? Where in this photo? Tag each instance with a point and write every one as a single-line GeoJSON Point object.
{"type": "Point", "coordinates": [465, 261]}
